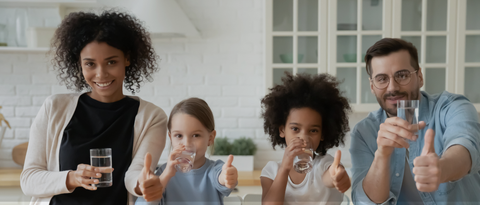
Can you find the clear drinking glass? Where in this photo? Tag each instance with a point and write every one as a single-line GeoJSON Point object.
{"type": "Point", "coordinates": [408, 110]}
{"type": "Point", "coordinates": [102, 157]}
{"type": "Point", "coordinates": [186, 159]}
{"type": "Point", "coordinates": [303, 162]}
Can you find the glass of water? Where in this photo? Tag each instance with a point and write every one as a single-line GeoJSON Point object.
{"type": "Point", "coordinates": [186, 159]}
{"type": "Point", "coordinates": [303, 162]}
{"type": "Point", "coordinates": [102, 158]}
{"type": "Point", "coordinates": [408, 111]}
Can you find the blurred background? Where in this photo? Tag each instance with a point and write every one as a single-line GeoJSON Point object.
{"type": "Point", "coordinates": [230, 52]}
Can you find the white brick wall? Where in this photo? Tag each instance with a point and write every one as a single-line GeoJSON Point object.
{"type": "Point", "coordinates": [225, 67]}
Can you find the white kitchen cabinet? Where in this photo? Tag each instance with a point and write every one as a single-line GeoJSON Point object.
{"type": "Point", "coordinates": [446, 34]}
{"type": "Point", "coordinates": [430, 26]}
{"type": "Point", "coordinates": [467, 76]}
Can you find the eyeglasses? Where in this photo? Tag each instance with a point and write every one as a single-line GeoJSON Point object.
{"type": "Point", "coordinates": [402, 77]}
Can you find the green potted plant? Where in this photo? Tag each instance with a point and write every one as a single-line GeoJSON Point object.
{"type": "Point", "coordinates": [242, 149]}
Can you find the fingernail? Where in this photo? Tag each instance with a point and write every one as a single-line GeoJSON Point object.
{"type": "Point", "coordinates": [98, 174]}
{"type": "Point", "coordinates": [95, 181]}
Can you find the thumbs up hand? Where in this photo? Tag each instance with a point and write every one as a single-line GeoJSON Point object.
{"type": "Point", "coordinates": [427, 167]}
{"type": "Point", "coordinates": [339, 176]}
{"type": "Point", "coordinates": [229, 175]}
{"type": "Point", "coordinates": [148, 183]}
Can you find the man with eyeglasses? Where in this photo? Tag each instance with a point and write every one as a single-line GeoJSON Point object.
{"type": "Point", "coordinates": [391, 164]}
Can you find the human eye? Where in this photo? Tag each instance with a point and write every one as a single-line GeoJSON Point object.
{"type": "Point", "coordinates": [89, 64]}
{"type": "Point", "coordinates": [381, 78]}
{"type": "Point", "coordinates": [295, 129]}
{"type": "Point", "coordinates": [111, 62]}
{"type": "Point", "coordinates": [402, 75]}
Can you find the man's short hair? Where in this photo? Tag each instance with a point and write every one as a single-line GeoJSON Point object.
{"type": "Point", "coordinates": [389, 45]}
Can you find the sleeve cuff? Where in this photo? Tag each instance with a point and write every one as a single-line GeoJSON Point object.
{"type": "Point", "coordinates": [222, 189]}
{"type": "Point", "coordinates": [359, 196]}
{"type": "Point", "coordinates": [65, 190]}
{"type": "Point", "coordinates": [471, 149]}
{"type": "Point", "coordinates": [131, 183]}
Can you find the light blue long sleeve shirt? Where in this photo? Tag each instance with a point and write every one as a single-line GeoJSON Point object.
{"type": "Point", "coordinates": [455, 122]}
{"type": "Point", "coordinates": [199, 186]}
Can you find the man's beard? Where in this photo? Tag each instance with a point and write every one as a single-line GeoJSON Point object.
{"type": "Point", "coordinates": [392, 112]}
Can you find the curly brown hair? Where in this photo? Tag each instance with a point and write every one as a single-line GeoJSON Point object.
{"type": "Point", "coordinates": [318, 92]}
{"type": "Point", "coordinates": [115, 28]}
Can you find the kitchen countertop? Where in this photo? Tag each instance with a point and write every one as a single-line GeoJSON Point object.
{"type": "Point", "coordinates": [11, 178]}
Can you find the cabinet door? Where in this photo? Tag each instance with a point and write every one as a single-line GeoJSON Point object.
{"type": "Point", "coordinates": [296, 38]}
{"type": "Point", "coordinates": [430, 26]}
{"type": "Point", "coordinates": [354, 26]}
{"type": "Point", "coordinates": [468, 48]}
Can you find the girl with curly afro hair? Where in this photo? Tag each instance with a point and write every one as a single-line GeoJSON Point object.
{"type": "Point", "coordinates": [307, 115]}
{"type": "Point", "coordinates": [99, 54]}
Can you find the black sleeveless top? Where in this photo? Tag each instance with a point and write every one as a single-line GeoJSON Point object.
{"type": "Point", "coordinates": [99, 125]}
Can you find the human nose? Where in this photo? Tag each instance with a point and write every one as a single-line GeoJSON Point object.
{"type": "Point", "coordinates": [392, 85]}
{"type": "Point", "coordinates": [101, 72]}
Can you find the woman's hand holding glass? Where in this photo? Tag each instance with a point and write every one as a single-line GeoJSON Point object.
{"type": "Point", "coordinates": [82, 177]}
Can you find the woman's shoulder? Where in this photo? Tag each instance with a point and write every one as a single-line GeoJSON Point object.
{"type": "Point", "coordinates": [62, 98]}
{"type": "Point", "coordinates": [149, 108]}
{"type": "Point", "coordinates": [61, 102]}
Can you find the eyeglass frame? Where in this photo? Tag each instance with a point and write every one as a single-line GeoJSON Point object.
{"type": "Point", "coordinates": [409, 73]}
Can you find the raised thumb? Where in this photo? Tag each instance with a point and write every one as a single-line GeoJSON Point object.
{"type": "Point", "coordinates": [147, 164]}
{"type": "Point", "coordinates": [429, 146]}
{"type": "Point", "coordinates": [229, 161]}
{"type": "Point", "coordinates": [336, 162]}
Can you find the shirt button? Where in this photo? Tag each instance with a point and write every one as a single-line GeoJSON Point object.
{"type": "Point", "coordinates": [397, 174]}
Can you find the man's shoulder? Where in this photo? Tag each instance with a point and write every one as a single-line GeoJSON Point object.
{"type": "Point", "coordinates": [445, 97]}
{"type": "Point", "coordinates": [372, 121]}
{"type": "Point", "coordinates": [447, 100]}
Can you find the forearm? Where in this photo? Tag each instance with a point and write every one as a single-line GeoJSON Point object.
{"type": "Point", "coordinates": [455, 163]}
{"type": "Point", "coordinates": [327, 179]}
{"type": "Point", "coordinates": [377, 181]}
{"type": "Point", "coordinates": [276, 193]}
{"type": "Point", "coordinates": [164, 179]}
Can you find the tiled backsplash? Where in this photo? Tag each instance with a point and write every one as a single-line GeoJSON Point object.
{"type": "Point", "coordinates": [224, 67]}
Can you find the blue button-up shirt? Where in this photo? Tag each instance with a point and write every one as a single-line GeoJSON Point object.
{"type": "Point", "coordinates": [455, 122]}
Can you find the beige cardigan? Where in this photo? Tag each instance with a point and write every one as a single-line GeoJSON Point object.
{"type": "Point", "coordinates": [41, 177]}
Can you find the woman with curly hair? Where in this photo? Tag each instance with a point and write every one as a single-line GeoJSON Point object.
{"type": "Point", "coordinates": [99, 54]}
{"type": "Point", "coordinates": [305, 109]}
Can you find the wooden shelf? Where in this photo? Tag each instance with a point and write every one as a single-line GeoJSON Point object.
{"type": "Point", "coordinates": [23, 49]}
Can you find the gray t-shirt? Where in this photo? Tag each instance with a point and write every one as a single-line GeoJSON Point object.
{"type": "Point", "coordinates": [199, 186]}
{"type": "Point", "coordinates": [409, 192]}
